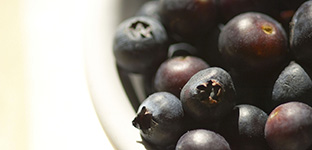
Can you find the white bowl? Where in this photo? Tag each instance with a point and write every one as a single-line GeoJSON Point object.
{"type": "Point", "coordinates": [109, 98]}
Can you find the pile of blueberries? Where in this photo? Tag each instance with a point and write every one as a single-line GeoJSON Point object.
{"type": "Point", "coordinates": [220, 74]}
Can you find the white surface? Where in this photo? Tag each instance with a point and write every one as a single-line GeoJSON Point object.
{"type": "Point", "coordinates": [61, 113]}
{"type": "Point", "coordinates": [111, 103]}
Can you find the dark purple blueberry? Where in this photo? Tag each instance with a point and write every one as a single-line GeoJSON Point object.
{"type": "Point", "coordinates": [300, 35]}
{"type": "Point", "coordinates": [243, 128]}
{"type": "Point", "coordinates": [209, 95]}
{"type": "Point", "coordinates": [173, 74]}
{"type": "Point", "coordinates": [289, 127]}
{"type": "Point", "coordinates": [253, 43]}
{"type": "Point", "coordinates": [140, 44]}
{"type": "Point", "coordinates": [188, 19]}
{"type": "Point", "coordinates": [201, 139]}
{"type": "Point", "coordinates": [294, 83]}
{"type": "Point", "coordinates": [160, 119]}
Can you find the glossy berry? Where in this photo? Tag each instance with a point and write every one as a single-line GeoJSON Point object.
{"type": "Point", "coordinates": [294, 83]}
{"type": "Point", "coordinates": [243, 128]}
{"type": "Point", "coordinates": [300, 35]}
{"type": "Point", "coordinates": [201, 139]}
{"type": "Point", "coordinates": [253, 43]}
{"type": "Point", "coordinates": [188, 19]}
{"type": "Point", "coordinates": [140, 44]}
{"type": "Point", "coordinates": [173, 74]}
{"type": "Point", "coordinates": [159, 118]}
{"type": "Point", "coordinates": [209, 95]}
{"type": "Point", "coordinates": [289, 127]}
{"type": "Point", "coordinates": [174, 50]}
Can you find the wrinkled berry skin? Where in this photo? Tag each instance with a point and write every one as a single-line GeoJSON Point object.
{"type": "Point", "coordinates": [140, 44]}
{"type": "Point", "coordinates": [245, 124]}
{"type": "Point", "coordinates": [201, 139]}
{"type": "Point", "coordinates": [294, 83]}
{"type": "Point", "coordinates": [289, 127]}
{"type": "Point", "coordinates": [160, 119]}
{"type": "Point", "coordinates": [173, 74]}
{"type": "Point", "coordinates": [300, 34]}
{"type": "Point", "coordinates": [253, 43]}
{"type": "Point", "coordinates": [209, 95]}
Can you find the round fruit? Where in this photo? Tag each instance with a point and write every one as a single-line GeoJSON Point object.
{"type": "Point", "coordinates": [289, 127]}
{"type": "Point", "coordinates": [173, 74]}
{"type": "Point", "coordinates": [253, 43]}
{"type": "Point", "coordinates": [140, 44]}
{"type": "Point", "coordinates": [209, 95]}
{"type": "Point", "coordinates": [300, 35]}
{"type": "Point", "coordinates": [245, 124]}
{"type": "Point", "coordinates": [201, 139]}
{"type": "Point", "coordinates": [160, 119]}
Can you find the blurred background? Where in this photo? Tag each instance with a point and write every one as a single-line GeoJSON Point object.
{"type": "Point", "coordinates": [44, 98]}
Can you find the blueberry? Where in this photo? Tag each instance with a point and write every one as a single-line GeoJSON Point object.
{"type": "Point", "coordinates": [254, 45]}
{"type": "Point", "coordinates": [289, 127]}
{"type": "Point", "coordinates": [300, 35]}
{"type": "Point", "coordinates": [294, 83]}
{"type": "Point", "coordinates": [209, 95]}
{"type": "Point", "coordinates": [173, 74]}
{"type": "Point", "coordinates": [140, 44]}
{"type": "Point", "coordinates": [201, 139]}
{"type": "Point", "coordinates": [245, 124]}
{"type": "Point", "coordinates": [174, 50]}
{"type": "Point", "coordinates": [160, 119]}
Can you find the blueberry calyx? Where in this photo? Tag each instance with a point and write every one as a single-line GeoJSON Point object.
{"type": "Point", "coordinates": [140, 30]}
{"type": "Point", "coordinates": [144, 120]}
{"type": "Point", "coordinates": [209, 92]}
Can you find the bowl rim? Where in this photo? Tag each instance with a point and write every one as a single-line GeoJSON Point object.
{"type": "Point", "coordinates": [110, 101]}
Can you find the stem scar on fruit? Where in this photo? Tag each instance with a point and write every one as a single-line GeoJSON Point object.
{"type": "Point", "coordinates": [141, 29]}
{"type": "Point", "coordinates": [268, 29]}
{"type": "Point", "coordinates": [144, 120]}
{"type": "Point", "coordinates": [209, 92]}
